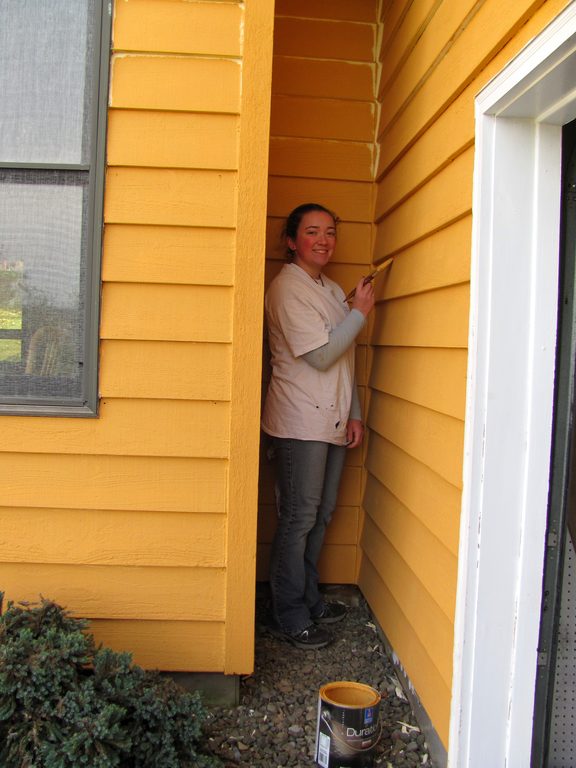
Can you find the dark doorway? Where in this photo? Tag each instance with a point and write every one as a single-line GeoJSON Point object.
{"type": "Point", "coordinates": [554, 735]}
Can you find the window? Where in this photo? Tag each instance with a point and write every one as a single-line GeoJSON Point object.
{"type": "Point", "coordinates": [53, 81]}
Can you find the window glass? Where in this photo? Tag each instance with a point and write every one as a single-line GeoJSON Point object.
{"type": "Point", "coordinates": [45, 58]}
{"type": "Point", "coordinates": [42, 268]}
{"type": "Point", "coordinates": [52, 132]}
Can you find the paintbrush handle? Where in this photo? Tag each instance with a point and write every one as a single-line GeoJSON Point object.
{"type": "Point", "coordinates": [370, 277]}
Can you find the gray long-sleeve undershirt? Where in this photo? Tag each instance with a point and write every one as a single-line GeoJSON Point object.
{"type": "Point", "coordinates": [339, 339]}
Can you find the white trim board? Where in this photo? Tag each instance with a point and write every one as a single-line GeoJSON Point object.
{"type": "Point", "coordinates": [512, 345]}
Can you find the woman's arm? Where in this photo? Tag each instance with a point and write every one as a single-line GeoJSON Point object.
{"type": "Point", "coordinates": [339, 340]}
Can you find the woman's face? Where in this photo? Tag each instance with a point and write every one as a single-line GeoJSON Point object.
{"type": "Point", "coordinates": [315, 242]}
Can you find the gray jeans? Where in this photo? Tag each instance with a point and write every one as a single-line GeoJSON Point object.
{"type": "Point", "coordinates": [308, 477]}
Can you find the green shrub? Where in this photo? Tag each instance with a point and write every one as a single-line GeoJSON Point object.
{"type": "Point", "coordinates": [65, 703]}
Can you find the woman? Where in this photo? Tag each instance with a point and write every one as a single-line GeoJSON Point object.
{"type": "Point", "coordinates": [313, 414]}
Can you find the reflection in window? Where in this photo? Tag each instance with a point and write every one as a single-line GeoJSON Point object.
{"type": "Point", "coordinates": [42, 300]}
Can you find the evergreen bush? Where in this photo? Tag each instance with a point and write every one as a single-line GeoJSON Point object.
{"type": "Point", "coordinates": [64, 703]}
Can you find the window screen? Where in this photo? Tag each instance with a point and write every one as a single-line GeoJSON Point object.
{"type": "Point", "coordinates": [51, 168]}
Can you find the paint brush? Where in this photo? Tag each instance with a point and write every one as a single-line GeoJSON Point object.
{"type": "Point", "coordinates": [371, 276]}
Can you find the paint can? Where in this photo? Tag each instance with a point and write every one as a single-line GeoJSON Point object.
{"type": "Point", "coordinates": [348, 726]}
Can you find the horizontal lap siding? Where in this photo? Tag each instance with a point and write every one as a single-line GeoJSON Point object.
{"type": "Point", "coordinates": [435, 58]}
{"type": "Point", "coordinates": [323, 121]}
{"type": "Point", "coordinates": [126, 518]}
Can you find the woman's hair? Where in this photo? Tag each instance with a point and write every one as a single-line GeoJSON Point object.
{"type": "Point", "coordinates": [295, 217]}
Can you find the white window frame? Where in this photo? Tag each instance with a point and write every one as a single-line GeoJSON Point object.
{"type": "Point", "coordinates": [510, 398]}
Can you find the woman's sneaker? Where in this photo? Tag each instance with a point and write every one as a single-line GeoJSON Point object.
{"type": "Point", "coordinates": [311, 637]}
{"type": "Point", "coordinates": [331, 613]}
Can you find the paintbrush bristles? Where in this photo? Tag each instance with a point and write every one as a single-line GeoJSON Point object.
{"type": "Point", "coordinates": [371, 276]}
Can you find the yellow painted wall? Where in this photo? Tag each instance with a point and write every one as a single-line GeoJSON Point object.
{"type": "Point", "coordinates": [435, 57]}
{"type": "Point", "coordinates": [323, 120]}
{"type": "Point", "coordinates": [144, 519]}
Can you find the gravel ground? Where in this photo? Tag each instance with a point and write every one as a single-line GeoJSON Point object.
{"type": "Point", "coordinates": [275, 722]}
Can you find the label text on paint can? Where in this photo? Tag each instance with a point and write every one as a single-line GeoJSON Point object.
{"type": "Point", "coordinates": [362, 733]}
{"type": "Point", "coordinates": [324, 751]}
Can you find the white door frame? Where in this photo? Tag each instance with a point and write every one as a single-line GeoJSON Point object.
{"type": "Point", "coordinates": [512, 345]}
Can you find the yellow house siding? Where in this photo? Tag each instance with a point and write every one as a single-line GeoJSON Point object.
{"type": "Point", "coordinates": [174, 370]}
{"type": "Point", "coordinates": [143, 519]}
{"type": "Point", "coordinates": [434, 58]}
{"type": "Point", "coordinates": [156, 82]}
{"type": "Point", "coordinates": [167, 196]}
{"type": "Point", "coordinates": [166, 644]}
{"type": "Point", "coordinates": [131, 427]}
{"type": "Point", "coordinates": [113, 482]}
{"type": "Point", "coordinates": [247, 348]}
{"type": "Point", "coordinates": [196, 28]}
{"type": "Point", "coordinates": [172, 139]}
{"type": "Point", "coordinates": [113, 537]}
{"type": "Point", "coordinates": [359, 10]}
{"type": "Point", "coordinates": [161, 254]}
{"type": "Point", "coordinates": [323, 122]}
{"type": "Point", "coordinates": [431, 688]}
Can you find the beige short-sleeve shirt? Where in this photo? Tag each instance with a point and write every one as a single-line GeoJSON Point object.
{"type": "Point", "coordinates": [302, 402]}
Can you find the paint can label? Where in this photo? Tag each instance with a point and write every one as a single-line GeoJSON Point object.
{"type": "Point", "coordinates": [347, 734]}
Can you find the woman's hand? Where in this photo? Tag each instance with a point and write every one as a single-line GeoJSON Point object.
{"type": "Point", "coordinates": [354, 433]}
{"type": "Point", "coordinates": [364, 297]}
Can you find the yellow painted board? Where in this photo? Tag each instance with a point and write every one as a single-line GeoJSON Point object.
{"type": "Point", "coordinates": [361, 369]}
{"type": "Point", "coordinates": [172, 139]}
{"type": "Point", "coordinates": [447, 137]}
{"type": "Point", "coordinates": [478, 56]}
{"type": "Point", "coordinates": [293, 76]}
{"type": "Point", "coordinates": [242, 490]}
{"type": "Point", "coordinates": [432, 319]}
{"type": "Point", "coordinates": [114, 482]}
{"type": "Point", "coordinates": [353, 247]}
{"type": "Point", "coordinates": [433, 692]}
{"type": "Point", "coordinates": [321, 118]}
{"type": "Point", "coordinates": [350, 486]}
{"type": "Point", "coordinates": [166, 196]}
{"type": "Point", "coordinates": [121, 592]}
{"type": "Point", "coordinates": [430, 437]}
{"type": "Point", "coordinates": [178, 27]}
{"type": "Point", "coordinates": [324, 39]}
{"type": "Point", "coordinates": [158, 254]}
{"type": "Point", "coordinates": [176, 83]}
{"type": "Point", "coordinates": [432, 563]}
{"type": "Point", "coordinates": [171, 646]}
{"type": "Point", "coordinates": [195, 428]}
{"type": "Point", "coordinates": [337, 564]}
{"type": "Point", "coordinates": [444, 199]}
{"type": "Point", "coordinates": [350, 200]}
{"type": "Point", "coordinates": [430, 377]}
{"type": "Point", "coordinates": [399, 39]}
{"type": "Point", "coordinates": [112, 537]}
{"type": "Point", "coordinates": [166, 312]}
{"type": "Point", "coordinates": [321, 158]}
{"type": "Point", "coordinates": [359, 10]}
{"type": "Point", "coordinates": [432, 627]}
{"type": "Point", "coordinates": [437, 33]}
{"type": "Point", "coordinates": [392, 13]}
{"type": "Point", "coordinates": [433, 500]}
{"type": "Point", "coordinates": [450, 52]}
{"type": "Point", "coordinates": [439, 260]}
{"type": "Point", "coordinates": [343, 528]}
{"type": "Point", "coordinates": [165, 369]}
{"type": "Point", "coordinates": [400, 189]}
